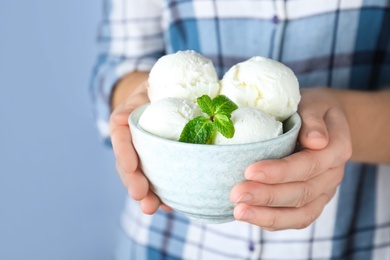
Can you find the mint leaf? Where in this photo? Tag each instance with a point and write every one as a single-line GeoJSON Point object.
{"type": "Point", "coordinates": [206, 104]}
{"type": "Point", "coordinates": [202, 130]}
{"type": "Point", "coordinates": [197, 131]}
{"type": "Point", "coordinates": [224, 125]}
{"type": "Point", "coordinates": [223, 105]}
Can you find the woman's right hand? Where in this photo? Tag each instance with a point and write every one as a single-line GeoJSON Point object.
{"type": "Point", "coordinates": [127, 164]}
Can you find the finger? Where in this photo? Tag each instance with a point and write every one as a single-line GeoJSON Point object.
{"type": "Point", "coordinates": [313, 133]}
{"type": "Point", "coordinates": [294, 194]}
{"type": "Point", "coordinates": [120, 131]}
{"type": "Point", "coordinates": [135, 182]}
{"type": "Point", "coordinates": [150, 203]}
{"type": "Point", "coordinates": [122, 143]}
{"type": "Point", "coordinates": [282, 218]}
{"type": "Point", "coordinates": [300, 166]}
{"type": "Point", "coordinates": [165, 207]}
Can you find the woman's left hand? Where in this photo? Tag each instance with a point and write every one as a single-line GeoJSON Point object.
{"type": "Point", "coordinates": [290, 193]}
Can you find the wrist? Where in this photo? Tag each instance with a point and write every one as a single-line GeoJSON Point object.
{"type": "Point", "coordinates": [367, 115]}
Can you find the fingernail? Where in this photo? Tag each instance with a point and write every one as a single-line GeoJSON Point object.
{"type": "Point", "coordinates": [246, 214]}
{"type": "Point", "coordinates": [315, 134]}
{"type": "Point", "coordinates": [246, 197]}
{"type": "Point", "coordinates": [258, 176]}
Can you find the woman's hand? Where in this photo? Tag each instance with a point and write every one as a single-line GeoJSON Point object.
{"type": "Point", "coordinates": [126, 98]}
{"type": "Point", "coordinates": [293, 191]}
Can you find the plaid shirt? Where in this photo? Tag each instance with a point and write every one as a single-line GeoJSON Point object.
{"type": "Point", "coordinates": [337, 43]}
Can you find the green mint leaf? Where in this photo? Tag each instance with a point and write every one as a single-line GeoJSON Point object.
{"type": "Point", "coordinates": [223, 105]}
{"type": "Point", "coordinates": [206, 105]}
{"type": "Point", "coordinates": [197, 131]}
{"type": "Point", "coordinates": [202, 130]}
{"type": "Point", "coordinates": [224, 125]}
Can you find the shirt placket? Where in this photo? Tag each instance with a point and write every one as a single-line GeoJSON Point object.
{"type": "Point", "coordinates": [279, 21]}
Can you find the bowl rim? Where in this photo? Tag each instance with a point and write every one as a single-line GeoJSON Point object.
{"type": "Point", "coordinates": [134, 126]}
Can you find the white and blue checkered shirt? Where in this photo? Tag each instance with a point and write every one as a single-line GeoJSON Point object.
{"type": "Point", "coordinates": [338, 43]}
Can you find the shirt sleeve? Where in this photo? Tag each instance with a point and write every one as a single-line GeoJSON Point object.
{"type": "Point", "coordinates": [129, 39]}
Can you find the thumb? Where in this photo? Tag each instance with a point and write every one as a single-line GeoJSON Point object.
{"type": "Point", "coordinates": [314, 133]}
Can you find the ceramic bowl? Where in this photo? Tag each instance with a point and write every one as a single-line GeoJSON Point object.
{"type": "Point", "coordinates": [196, 179]}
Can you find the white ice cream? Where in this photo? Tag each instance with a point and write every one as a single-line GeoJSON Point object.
{"type": "Point", "coordinates": [184, 74]}
{"type": "Point", "coordinates": [167, 117]}
{"type": "Point", "coordinates": [265, 84]}
{"type": "Point", "coordinates": [251, 125]}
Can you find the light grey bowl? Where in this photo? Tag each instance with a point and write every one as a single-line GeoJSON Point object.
{"type": "Point", "coordinates": [197, 179]}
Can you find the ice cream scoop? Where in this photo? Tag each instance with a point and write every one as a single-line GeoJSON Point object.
{"type": "Point", "coordinates": [184, 74]}
{"type": "Point", "coordinates": [167, 117]}
{"type": "Point", "coordinates": [264, 84]}
{"type": "Point", "coordinates": [251, 125]}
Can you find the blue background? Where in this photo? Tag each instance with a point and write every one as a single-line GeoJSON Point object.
{"type": "Point", "coordinates": [60, 197]}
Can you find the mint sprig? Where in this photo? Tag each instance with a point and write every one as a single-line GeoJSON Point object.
{"type": "Point", "coordinates": [201, 130]}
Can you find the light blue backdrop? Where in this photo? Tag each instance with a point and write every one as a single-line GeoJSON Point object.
{"type": "Point", "coordinates": [60, 197]}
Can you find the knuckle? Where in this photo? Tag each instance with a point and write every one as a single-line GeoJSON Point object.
{"type": "Point", "coordinates": [269, 199]}
{"type": "Point", "coordinates": [338, 178]}
{"type": "Point", "coordinates": [314, 121]}
{"type": "Point", "coordinates": [125, 166]}
{"type": "Point", "coordinates": [310, 217]}
{"type": "Point", "coordinates": [329, 195]}
{"type": "Point", "coordinates": [114, 118]}
{"type": "Point", "coordinates": [307, 222]}
{"type": "Point", "coordinates": [313, 169]}
{"type": "Point", "coordinates": [271, 223]}
{"type": "Point", "coordinates": [119, 116]}
{"type": "Point", "coordinates": [347, 152]}
{"type": "Point", "coordinates": [304, 196]}
{"type": "Point", "coordinates": [285, 166]}
{"type": "Point", "coordinates": [128, 169]}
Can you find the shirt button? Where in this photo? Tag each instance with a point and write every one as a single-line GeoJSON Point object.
{"type": "Point", "coordinates": [251, 246]}
{"type": "Point", "coordinates": [275, 19]}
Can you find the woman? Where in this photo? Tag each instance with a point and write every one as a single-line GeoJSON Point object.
{"type": "Point", "coordinates": [328, 201]}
